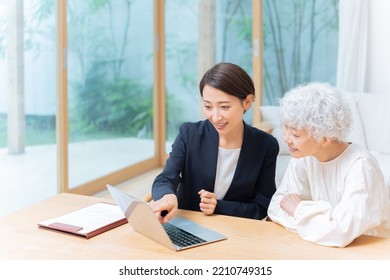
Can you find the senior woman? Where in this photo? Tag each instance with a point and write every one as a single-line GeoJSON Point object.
{"type": "Point", "coordinates": [333, 191]}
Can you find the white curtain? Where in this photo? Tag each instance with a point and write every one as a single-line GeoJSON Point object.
{"type": "Point", "coordinates": [352, 52]}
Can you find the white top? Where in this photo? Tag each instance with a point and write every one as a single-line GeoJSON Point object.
{"type": "Point", "coordinates": [344, 198]}
{"type": "Point", "coordinates": [226, 166]}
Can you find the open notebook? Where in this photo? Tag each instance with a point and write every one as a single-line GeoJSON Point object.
{"type": "Point", "coordinates": [178, 234]}
{"type": "Point", "coordinates": [87, 221]}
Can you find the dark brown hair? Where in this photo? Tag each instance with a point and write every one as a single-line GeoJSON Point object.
{"type": "Point", "coordinates": [229, 78]}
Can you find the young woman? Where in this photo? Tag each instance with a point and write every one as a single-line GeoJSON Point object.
{"type": "Point", "coordinates": [221, 164]}
{"type": "Point", "coordinates": [333, 191]}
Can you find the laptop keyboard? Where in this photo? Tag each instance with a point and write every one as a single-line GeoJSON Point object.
{"type": "Point", "coordinates": [181, 237]}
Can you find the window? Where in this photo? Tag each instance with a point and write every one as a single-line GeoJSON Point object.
{"type": "Point", "coordinates": [300, 44]}
{"type": "Point", "coordinates": [110, 86]}
{"type": "Point", "coordinates": [27, 103]}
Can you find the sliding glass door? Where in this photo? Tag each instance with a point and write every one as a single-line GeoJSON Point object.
{"type": "Point", "coordinates": [300, 44]}
{"type": "Point", "coordinates": [28, 154]}
{"type": "Point", "coordinates": [110, 86]}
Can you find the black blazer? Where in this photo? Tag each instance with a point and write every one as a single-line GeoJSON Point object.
{"type": "Point", "coordinates": [192, 166]}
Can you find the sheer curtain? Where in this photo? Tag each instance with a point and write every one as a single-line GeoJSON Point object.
{"type": "Point", "coordinates": [352, 53]}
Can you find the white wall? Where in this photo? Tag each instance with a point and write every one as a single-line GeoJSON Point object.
{"type": "Point", "coordinates": [378, 57]}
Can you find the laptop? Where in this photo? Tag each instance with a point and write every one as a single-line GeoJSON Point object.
{"type": "Point", "coordinates": [177, 235]}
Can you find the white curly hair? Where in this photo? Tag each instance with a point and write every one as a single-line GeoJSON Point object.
{"type": "Point", "coordinates": [320, 109]}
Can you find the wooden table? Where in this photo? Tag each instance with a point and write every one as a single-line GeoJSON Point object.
{"type": "Point", "coordinates": [248, 239]}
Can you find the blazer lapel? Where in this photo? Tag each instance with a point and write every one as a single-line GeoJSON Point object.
{"type": "Point", "coordinates": [210, 143]}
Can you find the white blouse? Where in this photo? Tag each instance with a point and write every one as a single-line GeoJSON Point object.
{"type": "Point", "coordinates": [343, 198]}
{"type": "Point", "coordinates": [226, 166]}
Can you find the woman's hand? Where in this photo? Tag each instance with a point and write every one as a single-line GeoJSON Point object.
{"type": "Point", "coordinates": [208, 202]}
{"type": "Point", "coordinates": [290, 202]}
{"type": "Point", "coordinates": [165, 208]}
